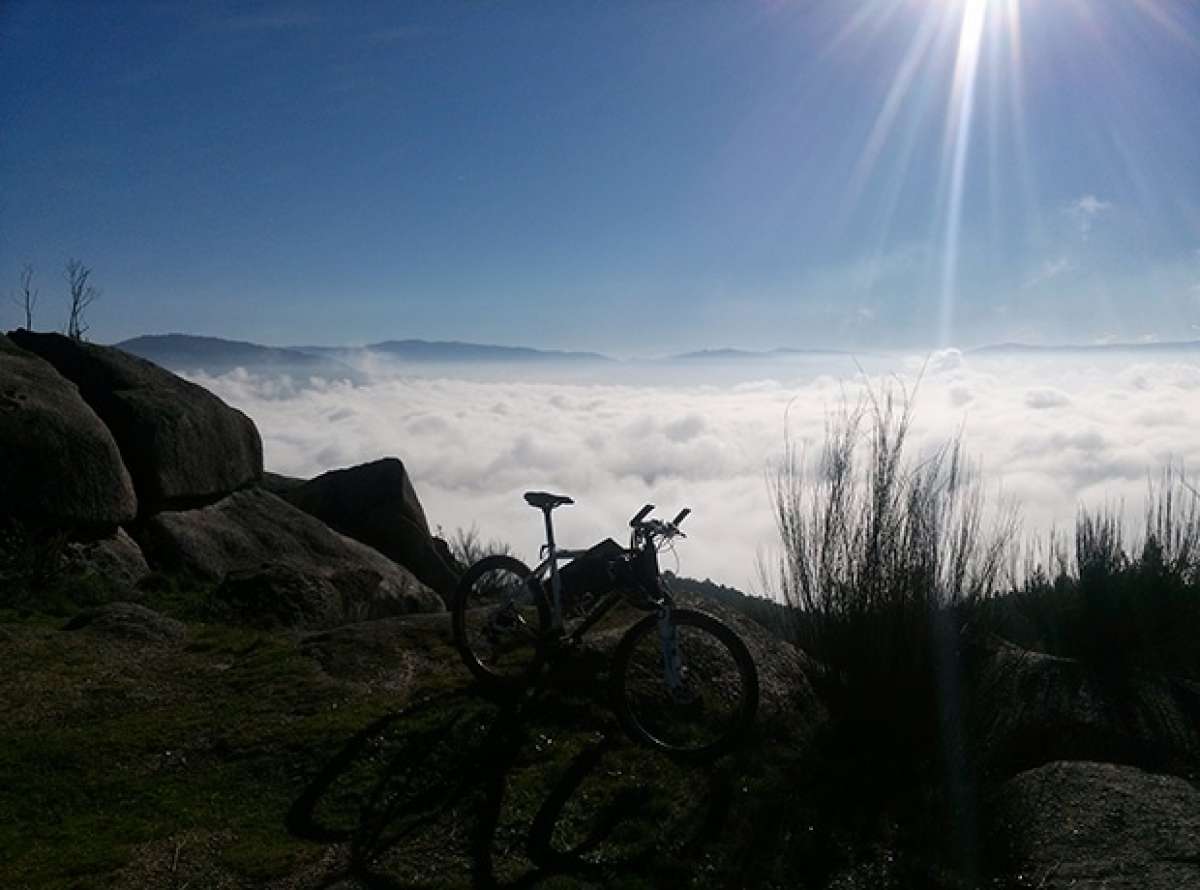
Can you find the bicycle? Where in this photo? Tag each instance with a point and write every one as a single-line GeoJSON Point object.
{"type": "Point", "coordinates": [681, 681]}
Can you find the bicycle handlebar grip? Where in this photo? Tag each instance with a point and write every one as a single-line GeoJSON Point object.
{"type": "Point", "coordinates": [641, 514]}
{"type": "Point", "coordinates": [682, 516]}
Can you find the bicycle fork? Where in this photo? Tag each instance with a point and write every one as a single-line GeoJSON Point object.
{"type": "Point", "coordinates": [673, 669]}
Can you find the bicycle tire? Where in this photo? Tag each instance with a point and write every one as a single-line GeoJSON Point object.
{"type": "Point", "coordinates": [482, 620]}
{"type": "Point", "coordinates": [715, 658]}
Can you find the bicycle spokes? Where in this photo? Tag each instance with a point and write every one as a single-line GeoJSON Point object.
{"type": "Point", "coordinates": [502, 623]}
{"type": "Point", "coordinates": [672, 656]}
{"type": "Point", "coordinates": [684, 687]}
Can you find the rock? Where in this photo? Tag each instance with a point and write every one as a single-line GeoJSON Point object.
{"type": "Point", "coordinates": [393, 654]}
{"type": "Point", "coordinates": [1031, 708]}
{"type": "Point", "coordinates": [276, 483]}
{"type": "Point", "coordinates": [1089, 826]}
{"type": "Point", "coordinates": [255, 531]}
{"type": "Point", "coordinates": [129, 621]}
{"type": "Point", "coordinates": [59, 464]}
{"type": "Point", "coordinates": [279, 595]}
{"type": "Point", "coordinates": [116, 558]}
{"type": "Point", "coordinates": [376, 504]}
{"type": "Point", "coordinates": [785, 671]}
{"type": "Point", "coordinates": [181, 444]}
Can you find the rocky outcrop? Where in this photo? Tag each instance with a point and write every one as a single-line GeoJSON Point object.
{"type": "Point", "coordinates": [59, 463]}
{"type": "Point", "coordinates": [376, 504]}
{"type": "Point", "coordinates": [1031, 708]}
{"type": "Point", "coordinates": [116, 558]}
{"type": "Point", "coordinates": [180, 443]}
{"type": "Point", "coordinates": [254, 531]}
{"type": "Point", "coordinates": [1089, 826]}
{"type": "Point", "coordinates": [91, 437]}
{"type": "Point", "coordinates": [129, 621]}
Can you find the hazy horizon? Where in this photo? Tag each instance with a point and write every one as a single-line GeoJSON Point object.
{"type": "Point", "coordinates": [714, 351]}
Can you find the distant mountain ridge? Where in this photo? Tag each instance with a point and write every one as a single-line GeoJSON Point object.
{"type": "Point", "coordinates": [458, 351]}
{"type": "Point", "coordinates": [188, 353]}
{"type": "Point", "coordinates": [1093, 348]}
{"type": "Point", "coordinates": [214, 355]}
{"type": "Point", "coordinates": [738, 354]}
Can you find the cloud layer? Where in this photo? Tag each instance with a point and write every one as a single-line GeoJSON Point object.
{"type": "Point", "coordinates": [1050, 434]}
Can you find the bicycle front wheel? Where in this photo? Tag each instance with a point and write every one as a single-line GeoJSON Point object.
{"type": "Point", "coordinates": [501, 621]}
{"type": "Point", "coordinates": [701, 707]}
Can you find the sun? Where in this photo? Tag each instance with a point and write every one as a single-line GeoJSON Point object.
{"type": "Point", "coordinates": [964, 28]}
{"type": "Point", "coordinates": [960, 54]}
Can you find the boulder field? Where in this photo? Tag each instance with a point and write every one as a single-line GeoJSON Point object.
{"type": "Point", "coordinates": [376, 504]}
{"type": "Point", "coordinates": [180, 443]}
{"type": "Point", "coordinates": [139, 471]}
{"type": "Point", "coordinates": [59, 462]}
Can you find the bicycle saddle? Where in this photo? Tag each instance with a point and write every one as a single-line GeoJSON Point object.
{"type": "Point", "coordinates": [543, 500]}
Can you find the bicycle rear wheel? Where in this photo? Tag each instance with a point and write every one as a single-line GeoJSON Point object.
{"type": "Point", "coordinates": [501, 621]}
{"type": "Point", "coordinates": [698, 712]}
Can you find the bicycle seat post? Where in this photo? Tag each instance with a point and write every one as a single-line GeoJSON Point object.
{"type": "Point", "coordinates": [554, 582]}
{"type": "Point", "coordinates": [545, 501]}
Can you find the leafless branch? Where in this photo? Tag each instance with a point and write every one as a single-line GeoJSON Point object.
{"type": "Point", "coordinates": [27, 296]}
{"type": "Point", "coordinates": [82, 295]}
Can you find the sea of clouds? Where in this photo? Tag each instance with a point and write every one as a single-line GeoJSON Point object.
{"type": "Point", "coordinates": [1051, 433]}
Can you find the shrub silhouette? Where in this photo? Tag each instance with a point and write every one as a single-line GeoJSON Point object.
{"type": "Point", "coordinates": [884, 558]}
{"type": "Point", "coordinates": [892, 563]}
{"type": "Point", "coordinates": [1120, 606]}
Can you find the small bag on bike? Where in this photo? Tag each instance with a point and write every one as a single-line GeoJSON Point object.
{"type": "Point", "coordinates": [589, 573]}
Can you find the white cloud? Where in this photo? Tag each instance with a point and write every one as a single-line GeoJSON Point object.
{"type": "Point", "coordinates": [1084, 210]}
{"type": "Point", "coordinates": [1091, 205]}
{"type": "Point", "coordinates": [1051, 269]}
{"type": "Point", "coordinates": [1046, 397]}
{"type": "Point", "coordinates": [474, 446]}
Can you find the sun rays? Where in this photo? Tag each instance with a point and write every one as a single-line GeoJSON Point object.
{"type": "Point", "coordinates": [959, 53]}
{"type": "Point", "coordinates": [956, 144]}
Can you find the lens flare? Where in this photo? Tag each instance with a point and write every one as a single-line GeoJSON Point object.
{"type": "Point", "coordinates": [957, 51]}
{"type": "Point", "coordinates": [956, 145]}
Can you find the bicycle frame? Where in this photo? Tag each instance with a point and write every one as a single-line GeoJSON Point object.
{"type": "Point", "coordinates": [506, 643]}
{"type": "Point", "coordinates": [549, 565]}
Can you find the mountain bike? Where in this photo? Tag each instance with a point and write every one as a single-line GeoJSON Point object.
{"type": "Point", "coordinates": [680, 681]}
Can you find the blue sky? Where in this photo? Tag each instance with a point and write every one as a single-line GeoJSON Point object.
{"type": "Point", "coordinates": [636, 178]}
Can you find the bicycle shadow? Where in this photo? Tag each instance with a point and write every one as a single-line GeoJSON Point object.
{"type": "Point", "coordinates": [440, 792]}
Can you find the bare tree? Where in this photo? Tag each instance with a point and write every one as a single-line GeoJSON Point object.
{"type": "Point", "coordinates": [82, 295]}
{"type": "Point", "coordinates": [27, 296]}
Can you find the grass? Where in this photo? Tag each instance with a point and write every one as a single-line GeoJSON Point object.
{"type": "Point", "coordinates": [234, 756]}
{"type": "Point", "coordinates": [206, 737]}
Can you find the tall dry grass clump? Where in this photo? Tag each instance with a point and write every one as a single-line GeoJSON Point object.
{"type": "Point", "coordinates": [1117, 600]}
{"type": "Point", "coordinates": [883, 555]}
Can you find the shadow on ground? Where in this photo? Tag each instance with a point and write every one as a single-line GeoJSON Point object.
{"type": "Point", "coordinates": [459, 789]}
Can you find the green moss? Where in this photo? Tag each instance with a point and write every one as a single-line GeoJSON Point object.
{"type": "Point", "coordinates": [261, 854]}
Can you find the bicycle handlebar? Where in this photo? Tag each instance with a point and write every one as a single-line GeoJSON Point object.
{"type": "Point", "coordinates": [641, 514]}
{"type": "Point", "coordinates": [656, 528]}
